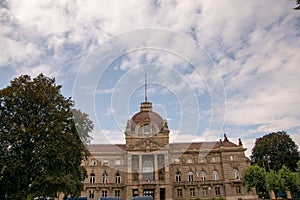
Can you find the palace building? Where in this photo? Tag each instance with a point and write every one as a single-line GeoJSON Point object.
{"type": "Point", "coordinates": [148, 165]}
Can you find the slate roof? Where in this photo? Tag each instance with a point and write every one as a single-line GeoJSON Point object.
{"type": "Point", "coordinates": [173, 146]}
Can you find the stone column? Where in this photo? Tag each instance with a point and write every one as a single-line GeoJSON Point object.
{"type": "Point", "coordinates": [156, 193]}
{"type": "Point", "coordinates": [155, 168]}
{"type": "Point", "coordinates": [129, 169]}
{"type": "Point", "coordinates": [140, 167]}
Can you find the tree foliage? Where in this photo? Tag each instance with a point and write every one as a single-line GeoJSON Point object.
{"type": "Point", "coordinates": [274, 150]}
{"type": "Point", "coordinates": [41, 150]}
{"type": "Point", "coordinates": [298, 175]}
{"type": "Point", "coordinates": [274, 181]}
{"type": "Point", "coordinates": [255, 177]}
{"type": "Point", "coordinates": [288, 178]}
{"type": "Point", "coordinates": [298, 5]}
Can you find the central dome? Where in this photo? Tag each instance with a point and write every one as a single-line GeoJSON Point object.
{"type": "Point", "coordinates": [146, 116]}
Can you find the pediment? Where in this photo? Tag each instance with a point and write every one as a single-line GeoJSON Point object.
{"type": "Point", "coordinates": [146, 144]}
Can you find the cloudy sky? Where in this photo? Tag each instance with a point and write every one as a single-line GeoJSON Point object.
{"type": "Point", "coordinates": [212, 66]}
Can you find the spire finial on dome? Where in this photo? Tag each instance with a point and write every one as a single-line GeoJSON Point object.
{"type": "Point", "coordinates": [146, 106]}
{"type": "Point", "coordinates": [145, 87]}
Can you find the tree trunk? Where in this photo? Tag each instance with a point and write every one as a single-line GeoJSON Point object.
{"type": "Point", "coordinates": [272, 194]}
{"type": "Point", "coordinates": [288, 193]}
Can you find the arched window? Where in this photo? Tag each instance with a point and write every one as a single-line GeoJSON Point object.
{"type": "Point", "coordinates": [235, 174]}
{"type": "Point", "coordinates": [191, 176]}
{"type": "Point", "coordinates": [203, 175]}
{"type": "Point", "coordinates": [117, 177]}
{"type": "Point", "coordinates": [146, 130]}
{"type": "Point", "coordinates": [215, 175]}
{"type": "Point", "coordinates": [178, 176]}
{"type": "Point", "coordinates": [92, 178]}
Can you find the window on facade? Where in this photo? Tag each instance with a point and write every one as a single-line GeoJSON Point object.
{"type": "Point", "coordinates": [105, 163]}
{"type": "Point", "coordinates": [104, 193]}
{"type": "Point", "coordinates": [179, 192]}
{"type": "Point", "coordinates": [203, 175]}
{"type": "Point", "coordinates": [238, 189]}
{"type": "Point", "coordinates": [148, 168]}
{"type": "Point", "coordinates": [189, 160]}
{"type": "Point", "coordinates": [178, 176]}
{"type": "Point", "coordinates": [105, 178]}
{"type": "Point", "coordinates": [192, 192]}
{"type": "Point", "coordinates": [191, 176]}
{"type": "Point", "coordinates": [205, 191]}
{"type": "Point", "coordinates": [117, 177]}
{"type": "Point", "coordinates": [215, 175]}
{"type": "Point", "coordinates": [92, 178]}
{"type": "Point", "coordinates": [146, 129]}
{"type": "Point", "coordinates": [217, 191]}
{"type": "Point", "coordinates": [117, 193]}
{"type": "Point", "coordinates": [235, 174]}
{"type": "Point", "coordinates": [93, 162]}
{"type": "Point", "coordinates": [118, 162]}
{"type": "Point", "coordinates": [91, 194]}
{"type": "Point", "coordinates": [213, 159]}
{"type": "Point", "coordinates": [135, 163]}
{"type": "Point", "coordinates": [176, 161]}
{"type": "Point", "coordinates": [232, 158]}
{"type": "Point", "coordinates": [135, 192]}
{"type": "Point", "coordinates": [201, 159]}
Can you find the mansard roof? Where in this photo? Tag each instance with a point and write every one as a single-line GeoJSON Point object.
{"type": "Point", "coordinates": [114, 148]}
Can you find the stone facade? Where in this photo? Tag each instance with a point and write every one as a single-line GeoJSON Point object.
{"type": "Point", "coordinates": [149, 165]}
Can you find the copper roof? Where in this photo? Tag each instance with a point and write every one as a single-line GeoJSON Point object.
{"type": "Point", "coordinates": [147, 116]}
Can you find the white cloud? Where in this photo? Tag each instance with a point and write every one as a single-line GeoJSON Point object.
{"type": "Point", "coordinates": [36, 70]}
{"type": "Point", "coordinates": [253, 43]}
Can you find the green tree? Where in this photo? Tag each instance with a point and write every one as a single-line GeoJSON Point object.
{"type": "Point", "coordinates": [274, 182]}
{"type": "Point", "coordinates": [288, 179]}
{"type": "Point", "coordinates": [255, 177]}
{"type": "Point", "coordinates": [274, 150]}
{"type": "Point", "coordinates": [41, 150]}
{"type": "Point", "coordinates": [298, 5]}
{"type": "Point", "coordinates": [298, 175]}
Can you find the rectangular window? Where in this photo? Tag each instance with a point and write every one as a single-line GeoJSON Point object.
{"type": "Point", "coordinates": [192, 192]}
{"type": "Point", "coordinates": [238, 189]}
{"type": "Point", "coordinates": [213, 159]}
{"type": "Point", "coordinates": [179, 192]}
{"type": "Point", "coordinates": [232, 158]}
{"type": "Point", "coordinates": [91, 194]}
{"type": "Point", "coordinates": [176, 161]}
{"type": "Point", "coordinates": [118, 162]}
{"type": "Point", "coordinates": [202, 158]}
{"type": "Point", "coordinates": [105, 162]}
{"type": "Point", "coordinates": [118, 179]}
{"type": "Point", "coordinates": [117, 193]}
{"type": "Point", "coordinates": [217, 190]}
{"type": "Point", "coordinates": [93, 163]}
{"type": "Point", "coordinates": [204, 190]}
{"type": "Point", "coordinates": [92, 179]}
{"type": "Point", "coordinates": [178, 178]}
{"type": "Point", "coordinates": [104, 193]}
{"type": "Point", "coordinates": [135, 192]}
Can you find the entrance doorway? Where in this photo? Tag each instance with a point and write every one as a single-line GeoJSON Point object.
{"type": "Point", "coordinates": [149, 192]}
{"type": "Point", "coordinates": [162, 193]}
